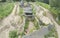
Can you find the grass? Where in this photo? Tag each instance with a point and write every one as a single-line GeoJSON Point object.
{"type": "Point", "coordinates": [52, 33]}
{"type": "Point", "coordinates": [13, 34]}
{"type": "Point", "coordinates": [35, 21]}
{"type": "Point", "coordinates": [32, 29]}
{"type": "Point", "coordinates": [55, 13]}
{"type": "Point", "coordinates": [21, 11]}
{"type": "Point", "coordinates": [33, 10]}
{"type": "Point", "coordinates": [43, 5]}
{"type": "Point", "coordinates": [26, 25]}
{"type": "Point", "coordinates": [5, 9]}
{"type": "Point", "coordinates": [36, 24]}
{"type": "Point", "coordinates": [58, 22]}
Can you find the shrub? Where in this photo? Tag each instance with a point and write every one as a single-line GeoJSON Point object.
{"type": "Point", "coordinates": [13, 34]}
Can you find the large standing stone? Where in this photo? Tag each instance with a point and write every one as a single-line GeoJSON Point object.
{"type": "Point", "coordinates": [50, 26]}
{"type": "Point", "coordinates": [38, 34]}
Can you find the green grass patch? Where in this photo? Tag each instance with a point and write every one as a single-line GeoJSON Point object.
{"type": "Point", "coordinates": [56, 13]}
{"type": "Point", "coordinates": [5, 9]}
{"type": "Point", "coordinates": [43, 5]}
{"type": "Point", "coordinates": [36, 24]}
{"type": "Point", "coordinates": [32, 29]}
{"type": "Point", "coordinates": [52, 33]}
{"type": "Point", "coordinates": [21, 11]}
{"type": "Point", "coordinates": [33, 10]}
{"type": "Point", "coordinates": [58, 22]}
{"type": "Point", "coordinates": [13, 34]}
{"type": "Point", "coordinates": [26, 25]}
{"type": "Point", "coordinates": [35, 21]}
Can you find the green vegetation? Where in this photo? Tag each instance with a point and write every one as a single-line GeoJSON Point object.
{"type": "Point", "coordinates": [43, 5]}
{"type": "Point", "coordinates": [9, 0]}
{"type": "Point", "coordinates": [35, 21]}
{"type": "Point", "coordinates": [54, 3]}
{"type": "Point", "coordinates": [26, 25]}
{"type": "Point", "coordinates": [52, 33]}
{"type": "Point", "coordinates": [45, 1]}
{"type": "Point", "coordinates": [13, 34]}
{"type": "Point", "coordinates": [30, 0]}
{"type": "Point", "coordinates": [36, 24]}
{"type": "Point", "coordinates": [5, 9]}
{"type": "Point", "coordinates": [55, 8]}
{"type": "Point", "coordinates": [32, 29]}
{"type": "Point", "coordinates": [54, 11]}
{"type": "Point", "coordinates": [3, 0]}
{"type": "Point", "coordinates": [33, 10]}
{"type": "Point", "coordinates": [21, 11]}
{"type": "Point", "coordinates": [21, 34]}
{"type": "Point", "coordinates": [17, 0]}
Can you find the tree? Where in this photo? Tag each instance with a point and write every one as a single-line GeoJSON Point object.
{"type": "Point", "coordinates": [56, 5]}
{"type": "Point", "coordinates": [3, 0]}
{"type": "Point", "coordinates": [46, 1]}
{"type": "Point", "coordinates": [30, 0]}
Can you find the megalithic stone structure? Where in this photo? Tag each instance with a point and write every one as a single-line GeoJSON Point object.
{"type": "Point", "coordinates": [38, 34]}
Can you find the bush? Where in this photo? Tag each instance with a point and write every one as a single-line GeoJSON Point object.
{"type": "Point", "coordinates": [13, 34]}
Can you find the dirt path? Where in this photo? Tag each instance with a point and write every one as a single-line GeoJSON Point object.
{"type": "Point", "coordinates": [10, 23]}
{"type": "Point", "coordinates": [31, 25]}
{"type": "Point", "coordinates": [27, 11]}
